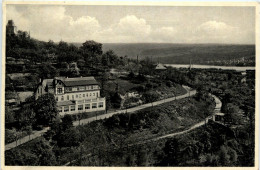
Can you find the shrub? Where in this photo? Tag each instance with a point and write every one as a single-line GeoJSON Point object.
{"type": "Point", "coordinates": [10, 135]}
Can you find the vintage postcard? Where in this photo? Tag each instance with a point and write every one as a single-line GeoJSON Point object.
{"type": "Point", "coordinates": [130, 85]}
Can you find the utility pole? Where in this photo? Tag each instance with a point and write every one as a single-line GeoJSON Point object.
{"type": "Point", "coordinates": [137, 59]}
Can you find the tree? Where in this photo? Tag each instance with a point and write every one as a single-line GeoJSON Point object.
{"type": "Point", "coordinates": [46, 109]}
{"type": "Point", "coordinates": [104, 60]}
{"type": "Point", "coordinates": [142, 157]}
{"type": "Point", "coordinates": [171, 151]}
{"type": "Point", "coordinates": [44, 152]}
{"type": "Point", "coordinates": [28, 130]}
{"type": "Point", "coordinates": [67, 122]}
{"type": "Point", "coordinates": [47, 71]}
{"type": "Point", "coordinates": [9, 115]}
{"type": "Point", "coordinates": [150, 97]}
{"type": "Point", "coordinates": [112, 57]}
{"type": "Point", "coordinates": [70, 137]}
{"type": "Point", "coordinates": [116, 100]}
{"type": "Point", "coordinates": [91, 50]}
{"type": "Point", "coordinates": [223, 156]}
{"type": "Point", "coordinates": [26, 115]}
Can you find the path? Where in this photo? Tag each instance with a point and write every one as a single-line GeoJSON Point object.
{"type": "Point", "coordinates": [26, 139]}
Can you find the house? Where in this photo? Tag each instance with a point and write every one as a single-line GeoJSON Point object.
{"type": "Point", "coordinates": [73, 95]}
{"type": "Point", "coordinates": [160, 67]}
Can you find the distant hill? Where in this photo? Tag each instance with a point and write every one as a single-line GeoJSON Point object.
{"type": "Point", "coordinates": [182, 53]}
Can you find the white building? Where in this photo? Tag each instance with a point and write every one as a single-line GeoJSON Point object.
{"type": "Point", "coordinates": [73, 95]}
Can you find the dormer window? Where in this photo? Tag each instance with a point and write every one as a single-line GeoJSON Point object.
{"type": "Point", "coordinates": [59, 90]}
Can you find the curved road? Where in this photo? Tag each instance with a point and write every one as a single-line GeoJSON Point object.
{"type": "Point", "coordinates": [216, 110]}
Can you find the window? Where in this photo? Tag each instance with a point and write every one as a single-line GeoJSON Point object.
{"type": "Point", "coordinates": [80, 107]}
{"type": "Point", "coordinates": [82, 88]}
{"type": "Point", "coordinates": [87, 106]}
{"type": "Point", "coordinates": [68, 97]}
{"type": "Point", "coordinates": [57, 98]}
{"type": "Point", "coordinates": [72, 108]}
{"type": "Point", "coordinates": [72, 97]}
{"type": "Point", "coordinates": [66, 108]}
{"type": "Point", "coordinates": [68, 89]}
{"type": "Point", "coordinates": [100, 104]}
{"type": "Point", "coordinates": [91, 87]}
{"type": "Point", "coordinates": [83, 95]}
{"type": "Point", "coordinates": [97, 94]}
{"type": "Point", "coordinates": [93, 94]}
{"type": "Point", "coordinates": [77, 96]}
{"type": "Point", "coordinates": [59, 90]}
{"type": "Point", "coordinates": [62, 98]}
{"type": "Point", "coordinates": [94, 105]}
{"type": "Point", "coordinates": [87, 94]}
{"type": "Point", "coordinates": [60, 109]}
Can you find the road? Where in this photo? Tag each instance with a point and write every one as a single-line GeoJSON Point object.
{"type": "Point", "coordinates": [216, 110]}
{"type": "Point", "coordinates": [134, 109]}
{"type": "Point", "coordinates": [197, 125]}
{"type": "Point", "coordinates": [25, 139]}
{"type": "Point", "coordinates": [88, 120]}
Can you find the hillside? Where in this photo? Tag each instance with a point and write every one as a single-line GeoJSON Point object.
{"type": "Point", "coordinates": [214, 54]}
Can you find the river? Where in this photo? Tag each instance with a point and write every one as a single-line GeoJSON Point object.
{"type": "Point", "coordinates": [237, 68]}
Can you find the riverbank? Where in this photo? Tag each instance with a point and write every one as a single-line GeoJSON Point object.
{"type": "Point", "coordinates": [237, 68]}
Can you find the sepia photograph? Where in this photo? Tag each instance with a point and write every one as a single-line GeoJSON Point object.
{"type": "Point", "coordinates": [151, 85]}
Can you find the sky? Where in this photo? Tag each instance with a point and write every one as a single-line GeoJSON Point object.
{"type": "Point", "coordinates": [136, 24]}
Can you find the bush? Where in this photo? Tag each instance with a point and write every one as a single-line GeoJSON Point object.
{"type": "Point", "coordinates": [169, 83]}
{"type": "Point", "coordinates": [10, 136]}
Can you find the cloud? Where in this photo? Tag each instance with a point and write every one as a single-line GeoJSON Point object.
{"type": "Point", "coordinates": [53, 23]}
{"type": "Point", "coordinates": [214, 31]}
{"type": "Point", "coordinates": [164, 34]}
{"type": "Point", "coordinates": [128, 29]}
{"type": "Point", "coordinates": [131, 25]}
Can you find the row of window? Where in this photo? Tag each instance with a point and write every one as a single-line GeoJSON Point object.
{"type": "Point", "coordinates": [81, 88]}
{"type": "Point", "coordinates": [80, 107]}
{"type": "Point", "coordinates": [78, 96]}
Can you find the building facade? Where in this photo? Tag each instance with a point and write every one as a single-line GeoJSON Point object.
{"type": "Point", "coordinates": [73, 95]}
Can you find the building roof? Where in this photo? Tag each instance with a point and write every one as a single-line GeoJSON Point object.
{"type": "Point", "coordinates": [220, 114]}
{"type": "Point", "coordinates": [160, 67]}
{"type": "Point", "coordinates": [79, 81]}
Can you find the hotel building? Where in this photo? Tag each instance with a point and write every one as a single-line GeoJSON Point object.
{"type": "Point", "coordinates": [73, 95]}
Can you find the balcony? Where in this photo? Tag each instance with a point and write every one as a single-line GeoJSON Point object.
{"type": "Point", "coordinates": [91, 100]}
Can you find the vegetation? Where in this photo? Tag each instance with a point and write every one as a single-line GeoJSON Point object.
{"type": "Point", "coordinates": [208, 54]}
{"type": "Point", "coordinates": [104, 136]}
{"type": "Point", "coordinates": [130, 139]}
